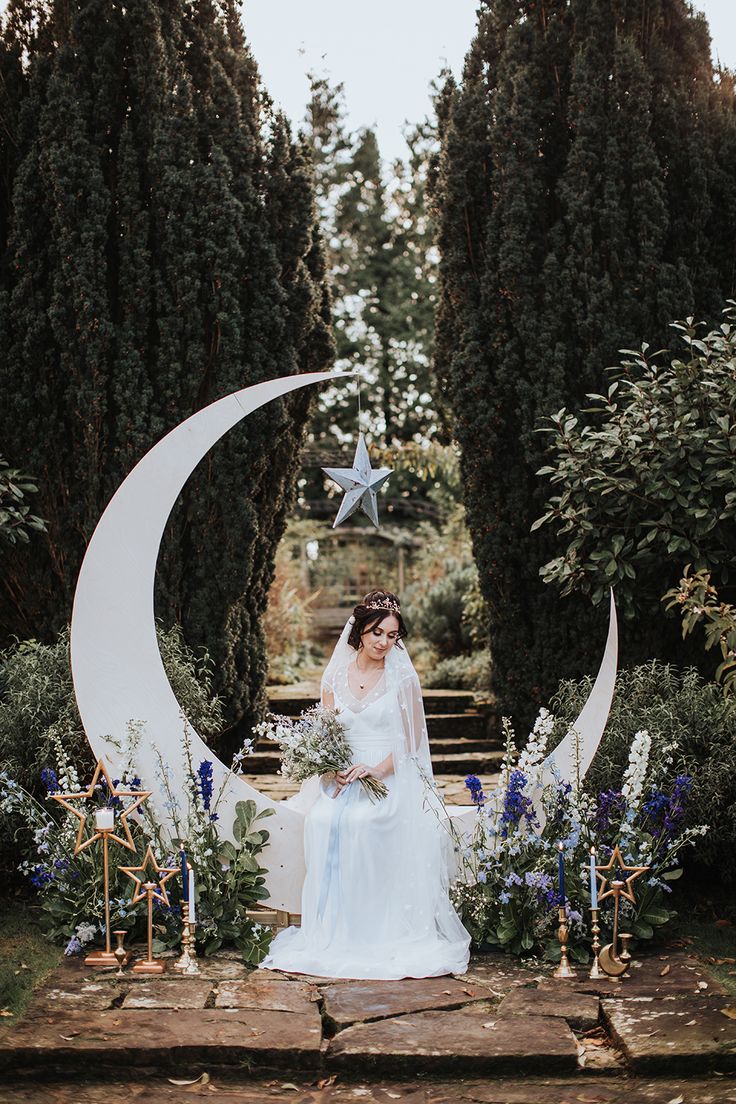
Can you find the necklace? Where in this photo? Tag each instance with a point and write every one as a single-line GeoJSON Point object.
{"type": "Point", "coordinates": [363, 685]}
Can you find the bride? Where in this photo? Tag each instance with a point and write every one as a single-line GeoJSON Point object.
{"type": "Point", "coordinates": [375, 901]}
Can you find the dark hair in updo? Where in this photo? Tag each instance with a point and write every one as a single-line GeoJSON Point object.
{"type": "Point", "coordinates": [367, 619]}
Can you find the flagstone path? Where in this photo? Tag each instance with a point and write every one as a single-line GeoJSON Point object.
{"type": "Point", "coordinates": [503, 1032]}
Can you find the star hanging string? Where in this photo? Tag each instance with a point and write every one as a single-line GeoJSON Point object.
{"type": "Point", "coordinates": [140, 891]}
{"type": "Point", "coordinates": [616, 863]}
{"type": "Point", "coordinates": [360, 484]}
{"type": "Point", "coordinates": [139, 796]}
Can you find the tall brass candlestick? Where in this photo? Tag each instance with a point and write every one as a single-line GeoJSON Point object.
{"type": "Point", "coordinates": [149, 965]}
{"type": "Point", "coordinates": [106, 957]}
{"type": "Point", "coordinates": [564, 970]}
{"type": "Point", "coordinates": [595, 971]}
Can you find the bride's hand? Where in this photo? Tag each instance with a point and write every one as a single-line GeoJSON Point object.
{"type": "Point", "coordinates": [341, 782]}
{"type": "Point", "coordinates": [360, 770]}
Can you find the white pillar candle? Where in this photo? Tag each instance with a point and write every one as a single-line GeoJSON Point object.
{"type": "Point", "coordinates": [192, 908]}
{"type": "Point", "coordinates": [104, 819]}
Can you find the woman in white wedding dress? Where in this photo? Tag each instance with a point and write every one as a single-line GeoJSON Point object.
{"type": "Point", "coordinates": [375, 902]}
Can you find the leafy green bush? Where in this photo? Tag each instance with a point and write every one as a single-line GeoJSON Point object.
{"type": "Point", "coordinates": [38, 710]}
{"type": "Point", "coordinates": [471, 672]}
{"type": "Point", "coordinates": [438, 613]}
{"type": "Point", "coordinates": [681, 707]}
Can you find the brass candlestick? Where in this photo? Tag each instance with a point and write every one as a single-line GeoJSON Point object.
{"type": "Point", "coordinates": [564, 970]}
{"type": "Point", "coordinates": [184, 960]}
{"type": "Point", "coordinates": [193, 967]}
{"type": "Point", "coordinates": [595, 971]}
{"type": "Point", "coordinates": [610, 960]}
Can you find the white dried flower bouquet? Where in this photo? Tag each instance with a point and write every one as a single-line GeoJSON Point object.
{"type": "Point", "coordinates": [314, 743]}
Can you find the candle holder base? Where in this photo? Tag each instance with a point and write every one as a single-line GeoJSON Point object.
{"type": "Point", "coordinates": [101, 958]}
{"type": "Point", "coordinates": [152, 966]}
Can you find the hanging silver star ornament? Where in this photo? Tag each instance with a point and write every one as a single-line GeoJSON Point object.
{"type": "Point", "coordinates": [360, 485]}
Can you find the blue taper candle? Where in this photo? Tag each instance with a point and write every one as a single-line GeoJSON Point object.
{"type": "Point", "coordinates": [561, 869]}
{"type": "Point", "coordinates": [593, 881]}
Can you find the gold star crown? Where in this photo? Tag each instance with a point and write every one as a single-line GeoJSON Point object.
{"type": "Point", "coordinates": [385, 603]}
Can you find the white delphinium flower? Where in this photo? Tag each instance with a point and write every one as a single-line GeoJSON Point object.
{"type": "Point", "coordinates": [535, 751]}
{"type": "Point", "coordinates": [636, 771]}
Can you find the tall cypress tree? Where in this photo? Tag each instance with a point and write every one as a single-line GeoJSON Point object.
{"type": "Point", "coordinates": [163, 252]}
{"type": "Point", "coordinates": [585, 196]}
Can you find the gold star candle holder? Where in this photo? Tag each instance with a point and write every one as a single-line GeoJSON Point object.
{"type": "Point", "coordinates": [151, 891]}
{"type": "Point", "coordinates": [614, 961]}
{"type": "Point", "coordinates": [105, 830]}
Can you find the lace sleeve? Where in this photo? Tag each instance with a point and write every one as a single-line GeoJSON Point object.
{"type": "Point", "coordinates": [413, 722]}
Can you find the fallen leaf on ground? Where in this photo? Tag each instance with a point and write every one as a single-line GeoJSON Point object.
{"type": "Point", "coordinates": [676, 1100]}
{"type": "Point", "coordinates": [5, 1012]}
{"type": "Point", "coordinates": [665, 971]}
{"type": "Point", "coordinates": [470, 992]}
{"type": "Point", "coordinates": [691, 1023]}
{"type": "Point", "coordinates": [289, 1085]}
{"type": "Point", "coordinates": [724, 961]}
{"type": "Point", "coordinates": [203, 1079]}
{"type": "Point", "coordinates": [327, 1081]}
{"type": "Point", "coordinates": [491, 1023]}
{"type": "Point", "coordinates": [730, 1011]}
{"type": "Point", "coordinates": [722, 923]}
{"type": "Point", "coordinates": [702, 985]}
{"type": "Point", "coordinates": [69, 1037]}
{"type": "Point", "coordinates": [646, 1034]}
{"type": "Point", "coordinates": [447, 992]}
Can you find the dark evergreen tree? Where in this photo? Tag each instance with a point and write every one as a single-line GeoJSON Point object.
{"type": "Point", "coordinates": [585, 195]}
{"type": "Point", "coordinates": [162, 252]}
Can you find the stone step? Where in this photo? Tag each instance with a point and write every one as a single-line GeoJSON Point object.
{"type": "Point", "coordinates": [457, 762]}
{"type": "Point", "coordinates": [440, 746]}
{"type": "Point", "coordinates": [458, 725]}
{"type": "Point", "coordinates": [290, 703]}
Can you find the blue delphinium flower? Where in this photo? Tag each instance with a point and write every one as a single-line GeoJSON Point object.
{"type": "Point", "coordinates": [610, 804]}
{"type": "Point", "coordinates": [41, 876]}
{"type": "Point", "coordinates": [668, 812]}
{"type": "Point", "coordinates": [73, 946]}
{"type": "Point", "coordinates": [516, 804]}
{"type": "Point", "coordinates": [50, 780]}
{"type": "Point", "coordinates": [475, 786]}
{"type": "Point", "coordinates": [205, 782]}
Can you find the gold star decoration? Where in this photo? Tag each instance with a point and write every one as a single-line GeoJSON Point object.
{"type": "Point", "coordinates": [139, 796]}
{"type": "Point", "coordinates": [140, 891]}
{"type": "Point", "coordinates": [616, 862]}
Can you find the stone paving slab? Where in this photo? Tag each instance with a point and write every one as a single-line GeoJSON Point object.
{"type": "Point", "coordinates": [580, 1011]}
{"type": "Point", "coordinates": [621, 1090]}
{"type": "Point", "coordinates": [502, 974]}
{"type": "Point", "coordinates": [71, 1042]}
{"type": "Point", "coordinates": [257, 993]}
{"type": "Point", "coordinates": [164, 993]}
{"type": "Point", "coordinates": [675, 1034]}
{"type": "Point", "coordinates": [92, 996]}
{"type": "Point", "coordinates": [363, 1001]}
{"type": "Point", "coordinates": [464, 1042]}
{"type": "Point", "coordinates": [660, 976]}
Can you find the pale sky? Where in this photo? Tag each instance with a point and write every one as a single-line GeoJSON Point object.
{"type": "Point", "coordinates": [386, 52]}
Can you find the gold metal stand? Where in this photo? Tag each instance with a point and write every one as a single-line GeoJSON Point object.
{"type": "Point", "coordinates": [106, 957]}
{"type": "Point", "coordinates": [149, 965]}
{"type": "Point", "coordinates": [122, 956]}
{"type": "Point", "coordinates": [564, 970]}
{"type": "Point", "coordinates": [610, 961]}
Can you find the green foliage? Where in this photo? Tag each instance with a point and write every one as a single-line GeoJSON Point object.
{"type": "Point", "coordinates": [697, 600]}
{"type": "Point", "coordinates": [584, 194]}
{"type": "Point", "coordinates": [508, 888]}
{"type": "Point", "coordinates": [684, 709]}
{"type": "Point", "coordinates": [438, 612]}
{"type": "Point", "coordinates": [646, 477]}
{"type": "Point", "coordinates": [16, 520]}
{"type": "Point", "coordinates": [228, 877]}
{"type": "Point", "coordinates": [38, 710]}
{"type": "Point", "coordinates": [160, 251]}
{"type": "Point", "coordinates": [462, 672]}
{"type": "Point", "coordinates": [25, 955]}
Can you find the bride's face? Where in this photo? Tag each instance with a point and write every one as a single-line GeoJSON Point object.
{"type": "Point", "coordinates": [379, 640]}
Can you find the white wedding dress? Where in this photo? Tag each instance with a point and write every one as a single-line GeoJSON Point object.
{"type": "Point", "coordinates": [375, 901]}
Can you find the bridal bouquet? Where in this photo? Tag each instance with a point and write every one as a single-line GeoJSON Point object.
{"type": "Point", "coordinates": [314, 743]}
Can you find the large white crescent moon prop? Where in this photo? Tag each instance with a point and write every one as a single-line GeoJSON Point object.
{"type": "Point", "coordinates": [116, 664]}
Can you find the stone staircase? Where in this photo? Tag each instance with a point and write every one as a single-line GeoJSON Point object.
{"type": "Point", "coordinates": [459, 733]}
